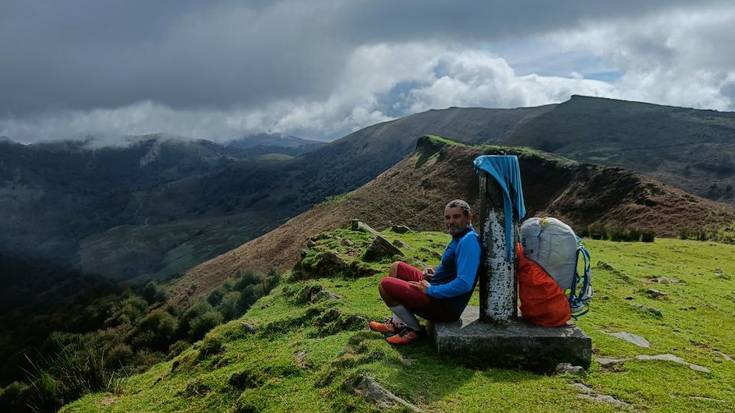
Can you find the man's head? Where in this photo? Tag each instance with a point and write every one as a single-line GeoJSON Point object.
{"type": "Point", "coordinates": [457, 216]}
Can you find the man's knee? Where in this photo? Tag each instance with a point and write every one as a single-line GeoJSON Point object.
{"type": "Point", "coordinates": [382, 287]}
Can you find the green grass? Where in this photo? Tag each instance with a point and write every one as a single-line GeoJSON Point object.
{"type": "Point", "coordinates": [696, 323]}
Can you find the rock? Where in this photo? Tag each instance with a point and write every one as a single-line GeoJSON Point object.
{"type": "Point", "coordinates": [586, 392]}
{"type": "Point", "coordinates": [399, 244]}
{"type": "Point", "coordinates": [611, 364]}
{"type": "Point", "coordinates": [567, 368]}
{"type": "Point", "coordinates": [347, 243]}
{"type": "Point", "coordinates": [325, 264]}
{"type": "Point", "coordinates": [632, 338]}
{"type": "Point", "coordinates": [725, 356]}
{"type": "Point", "coordinates": [655, 293]}
{"type": "Point", "coordinates": [722, 275]}
{"type": "Point", "coordinates": [248, 327]}
{"type": "Point", "coordinates": [310, 243]}
{"type": "Point", "coordinates": [516, 344]}
{"type": "Point", "coordinates": [381, 248]}
{"type": "Point", "coordinates": [408, 362]}
{"type": "Point", "coordinates": [673, 359]}
{"type": "Point", "coordinates": [400, 229]}
{"type": "Point", "coordinates": [361, 226]}
{"type": "Point", "coordinates": [300, 360]}
{"type": "Point", "coordinates": [312, 293]}
{"type": "Point", "coordinates": [648, 310]}
{"type": "Point", "coordinates": [664, 280]}
{"type": "Point", "coordinates": [372, 391]}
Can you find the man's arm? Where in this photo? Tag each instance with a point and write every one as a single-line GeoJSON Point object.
{"type": "Point", "coordinates": [468, 261]}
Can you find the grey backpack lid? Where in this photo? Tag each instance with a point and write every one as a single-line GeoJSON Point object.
{"type": "Point", "coordinates": [553, 245]}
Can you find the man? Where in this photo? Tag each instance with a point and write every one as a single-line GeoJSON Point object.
{"type": "Point", "coordinates": [437, 295]}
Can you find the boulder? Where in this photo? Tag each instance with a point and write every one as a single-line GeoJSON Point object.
{"type": "Point", "coordinates": [611, 364]}
{"type": "Point", "coordinates": [653, 293]}
{"type": "Point", "coordinates": [632, 338]}
{"type": "Point", "coordinates": [567, 368]}
{"type": "Point", "coordinates": [361, 226]}
{"type": "Point", "coordinates": [400, 229]}
{"type": "Point", "coordinates": [381, 248]}
{"type": "Point", "coordinates": [673, 359]}
{"type": "Point", "coordinates": [373, 392]}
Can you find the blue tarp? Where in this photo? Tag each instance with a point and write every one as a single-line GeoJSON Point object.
{"type": "Point", "coordinates": [505, 170]}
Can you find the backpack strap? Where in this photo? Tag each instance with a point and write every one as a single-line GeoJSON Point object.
{"type": "Point", "coordinates": [578, 300]}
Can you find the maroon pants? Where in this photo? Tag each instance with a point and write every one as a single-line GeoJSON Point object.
{"type": "Point", "coordinates": [414, 299]}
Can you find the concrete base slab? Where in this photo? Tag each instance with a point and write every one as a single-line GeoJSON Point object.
{"type": "Point", "coordinates": [515, 345]}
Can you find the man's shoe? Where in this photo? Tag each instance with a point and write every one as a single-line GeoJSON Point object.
{"type": "Point", "coordinates": [405, 336]}
{"type": "Point", "coordinates": [387, 327]}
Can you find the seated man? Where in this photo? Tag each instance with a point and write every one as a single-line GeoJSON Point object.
{"type": "Point", "coordinates": [437, 295]}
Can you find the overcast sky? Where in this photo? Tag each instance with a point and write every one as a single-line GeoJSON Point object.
{"type": "Point", "coordinates": [321, 69]}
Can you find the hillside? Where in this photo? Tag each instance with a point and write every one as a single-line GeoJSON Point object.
{"type": "Point", "coordinates": [74, 203]}
{"type": "Point", "coordinates": [414, 191]}
{"type": "Point", "coordinates": [303, 347]}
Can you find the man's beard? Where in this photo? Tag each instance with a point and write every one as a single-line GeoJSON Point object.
{"type": "Point", "coordinates": [455, 229]}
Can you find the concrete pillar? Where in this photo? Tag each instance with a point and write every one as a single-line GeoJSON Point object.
{"type": "Point", "coordinates": [498, 284]}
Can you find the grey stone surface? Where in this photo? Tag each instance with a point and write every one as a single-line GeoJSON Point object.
{"type": "Point", "coordinates": [381, 248]}
{"type": "Point", "coordinates": [566, 368]}
{"type": "Point", "coordinates": [673, 359]}
{"type": "Point", "coordinates": [516, 344]}
{"type": "Point", "coordinates": [400, 229]}
{"type": "Point", "coordinates": [613, 364]}
{"type": "Point", "coordinates": [361, 226]}
{"type": "Point", "coordinates": [586, 392]}
{"type": "Point", "coordinates": [632, 339]}
{"type": "Point", "coordinates": [372, 391]}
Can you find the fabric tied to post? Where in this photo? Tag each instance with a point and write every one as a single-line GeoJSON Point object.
{"type": "Point", "coordinates": [506, 171]}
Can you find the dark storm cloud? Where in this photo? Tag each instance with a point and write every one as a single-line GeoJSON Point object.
{"type": "Point", "coordinates": [190, 55]}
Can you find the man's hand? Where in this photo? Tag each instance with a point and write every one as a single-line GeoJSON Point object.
{"type": "Point", "coordinates": [422, 285]}
{"type": "Point", "coordinates": [428, 273]}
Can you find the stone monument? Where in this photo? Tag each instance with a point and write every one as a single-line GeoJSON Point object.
{"type": "Point", "coordinates": [494, 334]}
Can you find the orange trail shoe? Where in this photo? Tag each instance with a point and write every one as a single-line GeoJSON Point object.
{"type": "Point", "coordinates": [405, 336]}
{"type": "Point", "coordinates": [387, 327]}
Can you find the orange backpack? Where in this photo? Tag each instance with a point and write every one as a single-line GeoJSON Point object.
{"type": "Point", "coordinates": [542, 300]}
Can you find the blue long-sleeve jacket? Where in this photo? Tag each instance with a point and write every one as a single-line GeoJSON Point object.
{"type": "Point", "coordinates": [455, 277]}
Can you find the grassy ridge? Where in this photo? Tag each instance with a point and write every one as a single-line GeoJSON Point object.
{"type": "Point", "coordinates": [309, 339]}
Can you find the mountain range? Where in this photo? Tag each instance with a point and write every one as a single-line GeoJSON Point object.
{"type": "Point", "coordinates": [157, 207]}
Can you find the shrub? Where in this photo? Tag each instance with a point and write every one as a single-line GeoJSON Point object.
{"type": "Point", "coordinates": [231, 306]}
{"type": "Point", "coordinates": [648, 235]}
{"type": "Point", "coordinates": [154, 293]}
{"type": "Point", "coordinates": [156, 330]}
{"type": "Point", "coordinates": [195, 310]}
{"type": "Point", "coordinates": [176, 348]}
{"type": "Point", "coordinates": [200, 325]}
{"type": "Point", "coordinates": [215, 297]}
{"type": "Point", "coordinates": [14, 397]}
{"type": "Point", "coordinates": [596, 231]}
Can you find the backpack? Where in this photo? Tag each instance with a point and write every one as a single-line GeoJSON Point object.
{"type": "Point", "coordinates": [542, 301]}
{"type": "Point", "coordinates": [556, 248]}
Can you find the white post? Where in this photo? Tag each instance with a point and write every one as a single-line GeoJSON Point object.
{"type": "Point", "coordinates": [498, 291]}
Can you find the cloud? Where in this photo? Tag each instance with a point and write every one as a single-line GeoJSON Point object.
{"type": "Point", "coordinates": [323, 68]}
{"type": "Point", "coordinates": [676, 58]}
{"type": "Point", "coordinates": [376, 80]}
